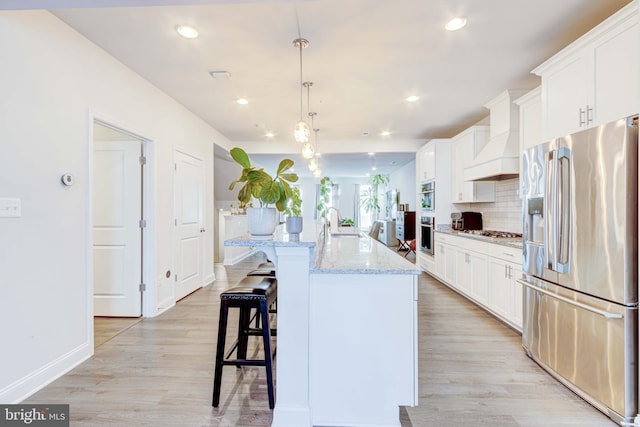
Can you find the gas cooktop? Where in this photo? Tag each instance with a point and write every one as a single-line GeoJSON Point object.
{"type": "Point", "coordinates": [493, 234]}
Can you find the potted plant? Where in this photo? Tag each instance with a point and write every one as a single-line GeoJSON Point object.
{"type": "Point", "coordinates": [347, 222]}
{"type": "Point", "coordinates": [325, 191]}
{"type": "Point", "coordinates": [293, 212]}
{"type": "Point", "coordinates": [272, 193]}
{"type": "Point", "coordinates": [370, 198]}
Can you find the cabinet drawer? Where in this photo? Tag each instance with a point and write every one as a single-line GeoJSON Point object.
{"type": "Point", "coordinates": [506, 253]}
{"type": "Point", "coordinates": [445, 238]}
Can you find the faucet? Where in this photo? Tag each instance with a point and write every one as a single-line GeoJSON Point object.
{"type": "Point", "coordinates": [333, 223]}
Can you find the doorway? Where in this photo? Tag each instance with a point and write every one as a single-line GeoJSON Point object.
{"type": "Point", "coordinates": [117, 229]}
{"type": "Point", "coordinates": [189, 200]}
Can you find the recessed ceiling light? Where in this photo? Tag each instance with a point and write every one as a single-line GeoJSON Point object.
{"type": "Point", "coordinates": [385, 133]}
{"type": "Point", "coordinates": [269, 134]}
{"type": "Point", "coordinates": [372, 154]}
{"type": "Point", "coordinates": [220, 74]}
{"type": "Point", "coordinates": [365, 133]}
{"type": "Point", "coordinates": [242, 101]}
{"type": "Point", "coordinates": [412, 98]}
{"type": "Point", "coordinates": [456, 24]}
{"type": "Point", "coordinates": [187, 31]}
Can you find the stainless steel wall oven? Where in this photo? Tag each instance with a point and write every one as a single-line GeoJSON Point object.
{"type": "Point", "coordinates": [427, 224]}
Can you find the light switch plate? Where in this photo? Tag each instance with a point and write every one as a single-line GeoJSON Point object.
{"type": "Point", "coordinates": [10, 208]}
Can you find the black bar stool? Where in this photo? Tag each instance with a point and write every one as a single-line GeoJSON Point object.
{"type": "Point", "coordinates": [252, 292]}
{"type": "Point", "coordinates": [266, 269]}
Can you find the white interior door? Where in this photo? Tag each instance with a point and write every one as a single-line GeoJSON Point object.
{"type": "Point", "coordinates": [189, 210]}
{"type": "Point", "coordinates": [117, 241]}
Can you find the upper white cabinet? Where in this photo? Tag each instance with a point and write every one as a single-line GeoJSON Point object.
{"type": "Point", "coordinates": [427, 162]}
{"type": "Point", "coordinates": [465, 146]}
{"type": "Point", "coordinates": [530, 123]}
{"type": "Point", "coordinates": [595, 79]}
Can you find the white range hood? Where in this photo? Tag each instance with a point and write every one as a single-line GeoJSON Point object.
{"type": "Point", "coordinates": [500, 158]}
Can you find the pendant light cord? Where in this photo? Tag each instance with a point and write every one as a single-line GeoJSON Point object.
{"type": "Point", "coordinates": [300, 45]}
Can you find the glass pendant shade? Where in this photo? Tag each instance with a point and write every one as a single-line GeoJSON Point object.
{"type": "Point", "coordinates": [317, 173]}
{"type": "Point", "coordinates": [302, 132]}
{"type": "Point", "coordinates": [313, 165]}
{"type": "Point", "coordinates": [307, 150]}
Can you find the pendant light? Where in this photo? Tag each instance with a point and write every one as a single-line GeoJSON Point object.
{"type": "Point", "coordinates": [301, 132]}
{"type": "Point", "coordinates": [308, 149]}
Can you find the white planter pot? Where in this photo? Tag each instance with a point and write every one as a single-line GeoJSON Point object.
{"type": "Point", "coordinates": [262, 222]}
{"type": "Point", "coordinates": [294, 227]}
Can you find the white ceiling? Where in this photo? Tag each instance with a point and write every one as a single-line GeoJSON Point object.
{"type": "Point", "coordinates": [364, 58]}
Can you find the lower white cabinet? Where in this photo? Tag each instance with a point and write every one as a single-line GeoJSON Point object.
{"type": "Point", "coordinates": [472, 274]}
{"type": "Point", "coordinates": [446, 262]}
{"type": "Point", "coordinates": [485, 273]}
{"type": "Point", "coordinates": [505, 297]}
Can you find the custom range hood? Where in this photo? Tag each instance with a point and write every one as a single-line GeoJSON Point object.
{"type": "Point", "coordinates": [500, 158]}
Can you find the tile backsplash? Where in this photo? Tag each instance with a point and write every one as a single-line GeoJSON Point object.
{"type": "Point", "coordinates": [505, 214]}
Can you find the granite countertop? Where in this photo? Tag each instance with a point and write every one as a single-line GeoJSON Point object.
{"type": "Point", "coordinates": [360, 255]}
{"type": "Point", "coordinates": [515, 242]}
{"type": "Point", "coordinates": [338, 255]}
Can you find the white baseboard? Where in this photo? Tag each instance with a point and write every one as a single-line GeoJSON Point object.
{"type": "Point", "coordinates": [28, 385]}
{"type": "Point", "coordinates": [238, 258]}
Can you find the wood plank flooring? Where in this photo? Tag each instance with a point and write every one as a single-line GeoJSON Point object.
{"type": "Point", "coordinates": [159, 372]}
{"type": "Point", "coordinates": [106, 328]}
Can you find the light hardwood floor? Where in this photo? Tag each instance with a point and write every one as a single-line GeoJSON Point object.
{"type": "Point", "coordinates": [159, 372]}
{"type": "Point", "coordinates": [106, 328]}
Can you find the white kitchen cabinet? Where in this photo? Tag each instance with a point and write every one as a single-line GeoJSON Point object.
{"type": "Point", "coordinates": [445, 258]}
{"type": "Point", "coordinates": [530, 124]}
{"type": "Point", "coordinates": [465, 146]}
{"type": "Point", "coordinates": [505, 296]}
{"type": "Point", "coordinates": [433, 163]}
{"type": "Point", "coordinates": [472, 274]}
{"type": "Point", "coordinates": [486, 273]}
{"type": "Point", "coordinates": [426, 161]}
{"type": "Point", "coordinates": [594, 80]}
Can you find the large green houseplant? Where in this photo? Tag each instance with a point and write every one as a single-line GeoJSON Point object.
{"type": "Point", "coordinates": [272, 193]}
{"type": "Point", "coordinates": [370, 199]}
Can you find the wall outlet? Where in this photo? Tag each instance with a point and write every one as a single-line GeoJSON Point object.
{"type": "Point", "coordinates": [10, 208]}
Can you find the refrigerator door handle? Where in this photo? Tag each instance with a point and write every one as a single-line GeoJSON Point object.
{"type": "Point", "coordinates": [602, 313]}
{"type": "Point", "coordinates": [563, 200]}
{"type": "Point", "coordinates": [551, 211]}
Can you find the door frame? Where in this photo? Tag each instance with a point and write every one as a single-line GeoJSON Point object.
{"type": "Point", "coordinates": [149, 295]}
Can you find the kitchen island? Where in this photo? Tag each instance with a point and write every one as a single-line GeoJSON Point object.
{"type": "Point", "coordinates": [347, 330]}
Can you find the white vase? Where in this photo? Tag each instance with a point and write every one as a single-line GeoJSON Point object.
{"type": "Point", "coordinates": [262, 222]}
{"type": "Point", "coordinates": [294, 227]}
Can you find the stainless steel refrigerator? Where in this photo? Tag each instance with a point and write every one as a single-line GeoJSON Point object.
{"type": "Point", "coordinates": [580, 262]}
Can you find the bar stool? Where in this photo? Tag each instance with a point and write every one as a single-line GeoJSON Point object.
{"type": "Point", "coordinates": [252, 292]}
{"type": "Point", "coordinates": [266, 269]}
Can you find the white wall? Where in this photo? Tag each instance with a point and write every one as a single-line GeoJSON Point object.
{"type": "Point", "coordinates": [52, 81]}
{"type": "Point", "coordinates": [404, 180]}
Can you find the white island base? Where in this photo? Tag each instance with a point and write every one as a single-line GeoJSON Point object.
{"type": "Point", "coordinates": [347, 332]}
{"type": "Point", "coordinates": [363, 348]}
